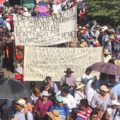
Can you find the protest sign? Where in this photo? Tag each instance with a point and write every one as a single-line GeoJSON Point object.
{"type": "Point", "coordinates": [40, 62]}
{"type": "Point", "coordinates": [46, 31]}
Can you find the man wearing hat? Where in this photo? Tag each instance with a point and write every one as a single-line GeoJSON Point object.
{"type": "Point", "coordinates": [43, 105]}
{"type": "Point", "coordinates": [69, 80]}
{"type": "Point", "coordinates": [21, 114]}
{"type": "Point", "coordinates": [79, 93]}
{"type": "Point", "coordinates": [61, 108]}
{"type": "Point", "coordinates": [107, 55]}
{"type": "Point", "coordinates": [114, 110]}
{"type": "Point", "coordinates": [101, 99]}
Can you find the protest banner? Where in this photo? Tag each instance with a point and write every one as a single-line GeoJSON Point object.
{"type": "Point", "coordinates": [46, 31]}
{"type": "Point", "coordinates": [40, 62]}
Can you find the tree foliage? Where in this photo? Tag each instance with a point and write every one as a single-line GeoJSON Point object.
{"type": "Point", "coordinates": [108, 10]}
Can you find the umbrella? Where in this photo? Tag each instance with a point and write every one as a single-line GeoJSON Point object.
{"type": "Point", "coordinates": [13, 89]}
{"type": "Point", "coordinates": [108, 68]}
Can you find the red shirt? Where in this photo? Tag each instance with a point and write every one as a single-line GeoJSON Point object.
{"type": "Point", "coordinates": [1, 1]}
{"type": "Point", "coordinates": [85, 115]}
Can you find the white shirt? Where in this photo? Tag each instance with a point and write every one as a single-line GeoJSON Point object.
{"type": "Point", "coordinates": [112, 113]}
{"type": "Point", "coordinates": [78, 96]}
{"type": "Point", "coordinates": [107, 58]}
{"type": "Point", "coordinates": [8, 25]}
{"type": "Point", "coordinates": [27, 14]}
{"type": "Point", "coordinates": [21, 115]}
{"type": "Point", "coordinates": [34, 98]}
{"type": "Point", "coordinates": [90, 92]}
{"type": "Point", "coordinates": [57, 8]}
{"type": "Point", "coordinates": [85, 77]}
{"type": "Point", "coordinates": [70, 101]}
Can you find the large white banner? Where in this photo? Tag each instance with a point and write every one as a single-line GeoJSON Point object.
{"type": "Point", "coordinates": [40, 62]}
{"type": "Point", "coordinates": [45, 31]}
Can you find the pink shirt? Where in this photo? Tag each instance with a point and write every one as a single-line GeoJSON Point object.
{"type": "Point", "coordinates": [42, 108]}
{"type": "Point", "coordinates": [71, 81]}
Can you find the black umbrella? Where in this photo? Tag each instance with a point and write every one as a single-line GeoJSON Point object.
{"type": "Point", "coordinates": [13, 89]}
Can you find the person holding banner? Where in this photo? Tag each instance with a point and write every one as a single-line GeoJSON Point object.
{"type": "Point", "coordinates": [69, 80]}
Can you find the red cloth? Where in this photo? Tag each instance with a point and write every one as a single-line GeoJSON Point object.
{"type": "Point", "coordinates": [18, 76]}
{"type": "Point", "coordinates": [85, 115]}
{"type": "Point", "coordinates": [19, 57]}
{"type": "Point", "coordinates": [1, 1]}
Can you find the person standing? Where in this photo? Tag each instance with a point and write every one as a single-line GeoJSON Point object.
{"type": "Point", "coordinates": [43, 105]}
{"type": "Point", "coordinates": [101, 100]}
{"type": "Point", "coordinates": [86, 76]}
{"type": "Point", "coordinates": [114, 110]}
{"type": "Point", "coordinates": [61, 108]}
{"type": "Point", "coordinates": [79, 93]}
{"type": "Point", "coordinates": [21, 114]}
{"type": "Point", "coordinates": [69, 80]}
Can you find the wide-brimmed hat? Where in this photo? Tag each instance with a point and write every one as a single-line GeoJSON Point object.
{"type": "Point", "coordinates": [25, 9]}
{"type": "Point", "coordinates": [111, 30]}
{"type": "Point", "coordinates": [79, 85]}
{"type": "Point", "coordinates": [68, 70]}
{"type": "Point", "coordinates": [117, 62]}
{"type": "Point", "coordinates": [106, 51]}
{"type": "Point", "coordinates": [115, 102]}
{"type": "Point", "coordinates": [104, 88]}
{"type": "Point", "coordinates": [54, 115]}
{"type": "Point", "coordinates": [84, 28]}
{"type": "Point", "coordinates": [21, 102]}
{"type": "Point", "coordinates": [45, 93]}
{"type": "Point", "coordinates": [80, 27]}
{"type": "Point", "coordinates": [104, 28]}
{"type": "Point", "coordinates": [112, 37]}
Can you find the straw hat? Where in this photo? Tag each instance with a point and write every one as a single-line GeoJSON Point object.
{"type": "Point", "coordinates": [111, 30]}
{"type": "Point", "coordinates": [104, 28]}
{"type": "Point", "coordinates": [112, 37]}
{"type": "Point", "coordinates": [80, 85]}
{"type": "Point", "coordinates": [21, 102]}
{"type": "Point", "coordinates": [115, 102]}
{"type": "Point", "coordinates": [80, 27]}
{"type": "Point", "coordinates": [84, 28]}
{"type": "Point", "coordinates": [106, 51]}
{"type": "Point", "coordinates": [104, 88]}
{"type": "Point", "coordinates": [117, 62]}
{"type": "Point", "coordinates": [54, 115]}
{"type": "Point", "coordinates": [25, 9]}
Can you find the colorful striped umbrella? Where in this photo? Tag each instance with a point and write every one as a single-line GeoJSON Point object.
{"type": "Point", "coordinates": [108, 68]}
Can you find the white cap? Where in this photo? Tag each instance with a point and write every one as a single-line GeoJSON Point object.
{"type": "Point", "coordinates": [45, 93]}
{"type": "Point", "coordinates": [115, 102]}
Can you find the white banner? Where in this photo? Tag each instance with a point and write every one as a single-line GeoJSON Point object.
{"type": "Point", "coordinates": [40, 62]}
{"type": "Point", "coordinates": [45, 31]}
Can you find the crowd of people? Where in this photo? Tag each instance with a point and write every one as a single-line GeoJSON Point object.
{"type": "Point", "coordinates": [88, 99]}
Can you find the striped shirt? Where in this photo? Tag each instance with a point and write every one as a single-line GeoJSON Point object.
{"type": "Point", "coordinates": [85, 115]}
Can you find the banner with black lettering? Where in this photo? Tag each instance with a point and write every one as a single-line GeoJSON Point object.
{"type": "Point", "coordinates": [46, 31]}
{"type": "Point", "coordinates": [40, 62]}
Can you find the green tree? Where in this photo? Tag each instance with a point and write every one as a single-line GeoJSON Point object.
{"type": "Point", "coordinates": [107, 10]}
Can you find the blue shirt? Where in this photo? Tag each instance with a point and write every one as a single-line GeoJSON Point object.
{"type": "Point", "coordinates": [63, 111]}
{"type": "Point", "coordinates": [116, 90]}
{"type": "Point", "coordinates": [78, 118]}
